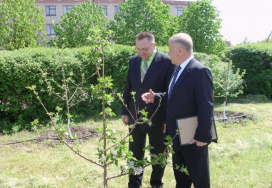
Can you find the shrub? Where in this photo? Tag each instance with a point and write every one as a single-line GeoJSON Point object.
{"type": "Point", "coordinates": [256, 59]}
{"type": "Point", "coordinates": [26, 67]}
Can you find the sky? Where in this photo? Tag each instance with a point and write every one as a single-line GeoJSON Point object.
{"type": "Point", "coordinates": [245, 19]}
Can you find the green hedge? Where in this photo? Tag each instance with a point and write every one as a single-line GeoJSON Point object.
{"type": "Point", "coordinates": [26, 67]}
{"type": "Point", "coordinates": [256, 59]}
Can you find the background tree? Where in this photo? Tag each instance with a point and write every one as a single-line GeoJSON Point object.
{"type": "Point", "coordinates": [142, 15]}
{"type": "Point", "coordinates": [201, 21]}
{"type": "Point", "coordinates": [228, 82]}
{"type": "Point", "coordinates": [20, 23]}
{"type": "Point", "coordinates": [79, 24]}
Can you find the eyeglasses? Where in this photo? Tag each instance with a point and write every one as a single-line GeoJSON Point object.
{"type": "Point", "coordinates": [143, 49]}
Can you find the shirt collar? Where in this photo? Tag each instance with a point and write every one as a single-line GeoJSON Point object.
{"type": "Point", "coordinates": [151, 58]}
{"type": "Point", "coordinates": [185, 63]}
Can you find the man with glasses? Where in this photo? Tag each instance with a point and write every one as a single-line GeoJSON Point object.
{"type": "Point", "coordinates": [149, 69]}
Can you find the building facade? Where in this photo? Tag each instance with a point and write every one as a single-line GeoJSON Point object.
{"type": "Point", "coordinates": [55, 9]}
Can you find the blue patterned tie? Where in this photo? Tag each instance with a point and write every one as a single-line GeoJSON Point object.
{"type": "Point", "coordinates": [174, 80]}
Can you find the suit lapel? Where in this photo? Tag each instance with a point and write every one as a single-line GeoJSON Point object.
{"type": "Point", "coordinates": [181, 78]}
{"type": "Point", "coordinates": [137, 69]}
{"type": "Point", "coordinates": [154, 66]}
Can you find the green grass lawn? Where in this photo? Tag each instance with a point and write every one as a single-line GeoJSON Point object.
{"type": "Point", "coordinates": [241, 158]}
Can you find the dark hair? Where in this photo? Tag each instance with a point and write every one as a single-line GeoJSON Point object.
{"type": "Point", "coordinates": [147, 35]}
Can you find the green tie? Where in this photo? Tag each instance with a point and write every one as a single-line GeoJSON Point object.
{"type": "Point", "coordinates": [143, 70]}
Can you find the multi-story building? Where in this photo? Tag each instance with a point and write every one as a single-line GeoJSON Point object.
{"type": "Point", "coordinates": [54, 9]}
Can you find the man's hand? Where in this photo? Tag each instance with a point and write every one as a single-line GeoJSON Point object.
{"type": "Point", "coordinates": [125, 119]}
{"type": "Point", "coordinates": [148, 97]}
{"type": "Point", "coordinates": [198, 143]}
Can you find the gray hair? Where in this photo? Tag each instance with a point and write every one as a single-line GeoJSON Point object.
{"type": "Point", "coordinates": [184, 41]}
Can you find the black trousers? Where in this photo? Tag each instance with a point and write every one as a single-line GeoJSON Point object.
{"type": "Point", "coordinates": [196, 159]}
{"type": "Point", "coordinates": [156, 139]}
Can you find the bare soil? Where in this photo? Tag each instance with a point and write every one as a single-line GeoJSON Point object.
{"type": "Point", "coordinates": [232, 117]}
{"type": "Point", "coordinates": [84, 133]}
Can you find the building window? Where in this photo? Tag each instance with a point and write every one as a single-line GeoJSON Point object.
{"type": "Point", "coordinates": [105, 9]}
{"type": "Point", "coordinates": [116, 10]}
{"type": "Point", "coordinates": [50, 10]}
{"type": "Point", "coordinates": [50, 29]}
{"type": "Point", "coordinates": [67, 8]}
{"type": "Point", "coordinates": [179, 11]}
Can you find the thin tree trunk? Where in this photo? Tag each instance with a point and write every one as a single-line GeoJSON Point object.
{"type": "Point", "coordinates": [66, 99]}
{"type": "Point", "coordinates": [224, 111]}
{"type": "Point", "coordinates": [105, 146]}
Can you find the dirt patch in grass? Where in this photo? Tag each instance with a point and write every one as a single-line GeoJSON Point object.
{"type": "Point", "coordinates": [232, 117]}
{"type": "Point", "coordinates": [82, 133]}
{"type": "Point", "coordinates": [49, 138]}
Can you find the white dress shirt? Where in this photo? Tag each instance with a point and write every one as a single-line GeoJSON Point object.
{"type": "Point", "coordinates": [182, 66]}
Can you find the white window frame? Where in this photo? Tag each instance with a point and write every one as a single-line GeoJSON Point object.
{"type": "Point", "coordinates": [116, 9]}
{"type": "Point", "coordinates": [50, 29]}
{"type": "Point", "coordinates": [51, 10]}
{"type": "Point", "coordinates": [105, 9]}
{"type": "Point", "coordinates": [179, 11]}
{"type": "Point", "coordinates": [67, 8]}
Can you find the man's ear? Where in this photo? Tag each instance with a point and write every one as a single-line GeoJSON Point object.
{"type": "Point", "coordinates": [180, 51]}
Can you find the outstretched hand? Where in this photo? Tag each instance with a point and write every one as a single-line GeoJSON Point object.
{"type": "Point", "coordinates": [148, 97]}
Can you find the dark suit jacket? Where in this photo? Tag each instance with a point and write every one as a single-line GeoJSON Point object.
{"type": "Point", "coordinates": [192, 95]}
{"type": "Point", "coordinates": [156, 78]}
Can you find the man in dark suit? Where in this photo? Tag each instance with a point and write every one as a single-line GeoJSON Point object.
{"type": "Point", "coordinates": [149, 69]}
{"type": "Point", "coordinates": [190, 93]}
